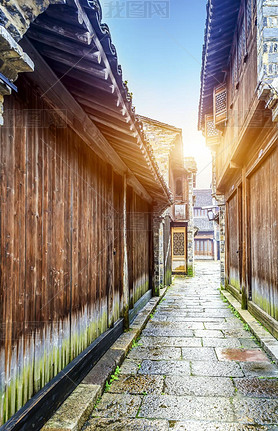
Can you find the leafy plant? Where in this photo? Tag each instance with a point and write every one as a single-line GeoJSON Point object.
{"type": "Point", "coordinates": [113, 377]}
{"type": "Point", "coordinates": [135, 343]}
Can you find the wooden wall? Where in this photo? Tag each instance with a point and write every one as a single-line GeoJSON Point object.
{"type": "Point", "coordinates": [263, 232]}
{"type": "Point", "coordinates": [61, 259]}
{"type": "Point", "coordinates": [241, 96]}
{"type": "Point", "coordinates": [252, 230]}
{"type": "Point", "coordinates": [139, 246]}
{"type": "Point", "coordinates": [233, 240]}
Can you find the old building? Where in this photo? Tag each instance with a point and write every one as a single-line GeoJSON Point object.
{"type": "Point", "coordinates": [238, 114]}
{"type": "Point", "coordinates": [206, 240]}
{"type": "Point", "coordinates": [176, 231]}
{"type": "Point", "coordinates": [79, 191]}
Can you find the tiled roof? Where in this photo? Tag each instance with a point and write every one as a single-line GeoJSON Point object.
{"type": "Point", "coordinates": [203, 224]}
{"type": "Point", "coordinates": [203, 197]}
{"type": "Point", "coordinates": [220, 27]}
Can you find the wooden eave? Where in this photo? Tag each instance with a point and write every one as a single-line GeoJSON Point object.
{"type": "Point", "coordinates": [220, 27]}
{"type": "Point", "coordinates": [77, 47]}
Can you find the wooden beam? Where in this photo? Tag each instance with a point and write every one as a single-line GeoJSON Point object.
{"type": "Point", "coordinates": [70, 46]}
{"type": "Point", "coordinates": [85, 83]}
{"type": "Point", "coordinates": [73, 60]}
{"type": "Point", "coordinates": [97, 106]}
{"type": "Point", "coordinates": [122, 101]}
{"type": "Point", "coordinates": [234, 165]}
{"type": "Point", "coordinates": [43, 22]}
{"type": "Point", "coordinates": [118, 128]}
{"type": "Point", "coordinates": [72, 113]}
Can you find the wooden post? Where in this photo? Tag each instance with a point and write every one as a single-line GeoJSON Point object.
{"type": "Point", "coordinates": [244, 298]}
{"type": "Point", "coordinates": [224, 240]}
{"type": "Point", "coordinates": [110, 255]}
{"type": "Point", "coordinates": [125, 260]}
{"type": "Point", "coordinates": [156, 252]}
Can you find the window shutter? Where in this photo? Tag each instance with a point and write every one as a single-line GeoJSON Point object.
{"type": "Point", "coordinates": [211, 133]}
{"type": "Point", "coordinates": [220, 104]}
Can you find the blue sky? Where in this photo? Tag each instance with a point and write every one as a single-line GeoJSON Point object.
{"type": "Point", "coordinates": [161, 60]}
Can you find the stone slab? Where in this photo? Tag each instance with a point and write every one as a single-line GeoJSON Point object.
{"type": "Point", "coordinates": [117, 406]}
{"type": "Point", "coordinates": [198, 353]}
{"type": "Point", "coordinates": [125, 341]}
{"type": "Point", "coordinates": [155, 353]}
{"type": "Point", "coordinates": [237, 333]}
{"type": "Point", "coordinates": [214, 426]}
{"type": "Point", "coordinates": [242, 355]}
{"type": "Point", "coordinates": [216, 369]}
{"type": "Point", "coordinates": [199, 386]}
{"type": "Point", "coordinates": [171, 341]}
{"type": "Point", "coordinates": [222, 342]}
{"type": "Point", "coordinates": [269, 343]}
{"type": "Point", "coordinates": [257, 387]}
{"type": "Point", "coordinates": [167, 332]}
{"type": "Point", "coordinates": [138, 385]}
{"type": "Point", "coordinates": [130, 366]}
{"type": "Point", "coordinates": [259, 369]}
{"type": "Point", "coordinates": [248, 343]}
{"type": "Point", "coordinates": [208, 333]}
{"type": "Point", "coordinates": [75, 410]}
{"type": "Point", "coordinates": [165, 367]}
{"type": "Point", "coordinates": [104, 367]}
{"type": "Point", "coordinates": [189, 408]}
{"type": "Point", "coordinates": [260, 411]}
{"type": "Point", "coordinates": [101, 424]}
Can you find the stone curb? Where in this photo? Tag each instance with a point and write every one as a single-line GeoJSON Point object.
{"type": "Point", "coordinates": [267, 341]}
{"type": "Point", "coordinates": [77, 408]}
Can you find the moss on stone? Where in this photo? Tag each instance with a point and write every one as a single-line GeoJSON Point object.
{"type": "Point", "coordinates": [190, 271]}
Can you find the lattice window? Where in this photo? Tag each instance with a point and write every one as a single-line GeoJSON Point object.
{"type": "Point", "coordinates": [178, 244]}
{"type": "Point", "coordinates": [211, 133]}
{"type": "Point", "coordinates": [220, 104]}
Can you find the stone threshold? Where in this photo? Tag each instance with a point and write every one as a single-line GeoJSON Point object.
{"type": "Point", "coordinates": [267, 341]}
{"type": "Point", "coordinates": [77, 408]}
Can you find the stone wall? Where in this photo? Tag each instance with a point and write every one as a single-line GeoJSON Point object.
{"type": "Point", "coordinates": [267, 45]}
{"type": "Point", "coordinates": [163, 142]}
{"type": "Point", "coordinates": [15, 19]}
{"type": "Point", "coordinates": [17, 15]}
{"type": "Point", "coordinates": [190, 227]}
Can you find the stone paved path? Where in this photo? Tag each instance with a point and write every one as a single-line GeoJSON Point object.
{"type": "Point", "coordinates": [195, 368]}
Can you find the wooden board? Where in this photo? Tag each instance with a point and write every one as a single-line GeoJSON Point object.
{"type": "Point", "coordinates": [61, 260]}
{"type": "Point", "coordinates": [264, 235]}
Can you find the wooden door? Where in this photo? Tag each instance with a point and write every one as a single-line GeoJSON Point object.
{"type": "Point", "coordinates": [179, 240]}
{"type": "Point", "coordinates": [204, 248]}
{"type": "Point", "coordinates": [263, 235]}
{"type": "Point", "coordinates": [234, 239]}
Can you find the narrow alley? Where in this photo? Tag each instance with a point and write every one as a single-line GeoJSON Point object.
{"type": "Point", "coordinates": [196, 367]}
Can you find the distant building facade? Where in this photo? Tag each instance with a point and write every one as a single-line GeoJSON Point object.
{"type": "Point", "coordinates": [176, 227]}
{"type": "Point", "coordinates": [206, 239]}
